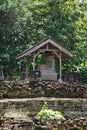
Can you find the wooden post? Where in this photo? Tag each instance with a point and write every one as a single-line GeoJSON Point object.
{"type": "Point", "coordinates": [26, 67]}
{"type": "Point", "coordinates": [34, 62]}
{"type": "Point", "coordinates": [60, 74]}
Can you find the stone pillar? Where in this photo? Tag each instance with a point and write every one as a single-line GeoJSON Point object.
{"type": "Point", "coordinates": [60, 66]}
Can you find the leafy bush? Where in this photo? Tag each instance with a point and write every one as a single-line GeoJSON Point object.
{"type": "Point", "coordinates": [83, 75]}
{"type": "Point", "coordinates": [46, 113]}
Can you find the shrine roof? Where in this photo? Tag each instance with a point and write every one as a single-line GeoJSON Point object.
{"type": "Point", "coordinates": [47, 41]}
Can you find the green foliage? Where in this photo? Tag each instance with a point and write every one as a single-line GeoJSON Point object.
{"type": "Point", "coordinates": [23, 23]}
{"type": "Point", "coordinates": [83, 75]}
{"type": "Point", "coordinates": [46, 113]}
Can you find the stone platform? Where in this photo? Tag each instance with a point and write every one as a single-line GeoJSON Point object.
{"type": "Point", "coordinates": [48, 75]}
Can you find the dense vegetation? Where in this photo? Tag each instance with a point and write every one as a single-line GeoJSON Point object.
{"type": "Point", "coordinates": [25, 22]}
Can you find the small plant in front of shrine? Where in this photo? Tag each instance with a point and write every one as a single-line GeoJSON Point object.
{"type": "Point", "coordinates": [46, 113]}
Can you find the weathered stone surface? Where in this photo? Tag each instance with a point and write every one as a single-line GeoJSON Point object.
{"type": "Point", "coordinates": [69, 123]}
{"type": "Point", "coordinates": [16, 124]}
{"type": "Point", "coordinates": [31, 106]}
{"type": "Point", "coordinates": [22, 89]}
{"type": "Point", "coordinates": [48, 69]}
{"type": "Point", "coordinates": [72, 77]}
{"type": "Point", "coordinates": [42, 124]}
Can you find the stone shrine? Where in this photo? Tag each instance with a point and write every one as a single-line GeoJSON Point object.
{"type": "Point", "coordinates": [48, 69]}
{"type": "Point", "coordinates": [47, 45]}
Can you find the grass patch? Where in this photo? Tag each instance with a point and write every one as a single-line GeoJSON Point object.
{"type": "Point", "coordinates": [16, 113]}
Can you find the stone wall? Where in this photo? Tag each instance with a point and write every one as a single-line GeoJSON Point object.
{"type": "Point", "coordinates": [16, 124]}
{"type": "Point", "coordinates": [69, 107]}
{"type": "Point", "coordinates": [22, 89]}
{"type": "Point", "coordinates": [42, 124]}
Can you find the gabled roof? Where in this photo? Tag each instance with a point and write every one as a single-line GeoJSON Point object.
{"type": "Point", "coordinates": [48, 40]}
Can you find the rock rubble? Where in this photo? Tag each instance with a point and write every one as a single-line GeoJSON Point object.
{"type": "Point", "coordinates": [31, 123]}
{"type": "Point", "coordinates": [16, 123]}
{"type": "Point", "coordinates": [67, 123]}
{"type": "Point", "coordinates": [22, 89]}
